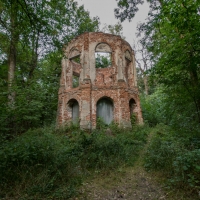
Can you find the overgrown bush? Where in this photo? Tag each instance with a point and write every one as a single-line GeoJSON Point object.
{"type": "Point", "coordinates": [153, 108]}
{"type": "Point", "coordinates": [37, 163]}
{"type": "Point", "coordinates": [167, 107]}
{"type": "Point", "coordinates": [177, 155]}
{"type": "Point", "coordinates": [47, 162]}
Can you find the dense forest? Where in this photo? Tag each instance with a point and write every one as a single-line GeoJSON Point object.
{"type": "Point", "coordinates": [35, 157]}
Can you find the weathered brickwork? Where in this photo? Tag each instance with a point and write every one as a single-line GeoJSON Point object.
{"type": "Point", "coordinates": [116, 82]}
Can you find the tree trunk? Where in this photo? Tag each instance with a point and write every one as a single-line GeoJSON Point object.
{"type": "Point", "coordinates": [146, 87]}
{"type": "Point", "coordinates": [35, 44]}
{"type": "Point", "coordinates": [11, 72]}
{"type": "Point", "coordinates": [12, 53]}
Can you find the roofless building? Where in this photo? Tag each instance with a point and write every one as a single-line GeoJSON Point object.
{"type": "Point", "coordinates": [98, 79]}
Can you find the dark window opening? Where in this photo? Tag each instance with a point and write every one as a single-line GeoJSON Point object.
{"type": "Point", "coordinates": [132, 106]}
{"type": "Point", "coordinates": [73, 104]}
{"type": "Point", "coordinates": [127, 62]}
{"type": "Point", "coordinates": [75, 80]}
{"type": "Point", "coordinates": [76, 59]}
{"type": "Point", "coordinates": [105, 110]}
{"type": "Point", "coordinates": [133, 114]}
{"type": "Point", "coordinates": [127, 68]}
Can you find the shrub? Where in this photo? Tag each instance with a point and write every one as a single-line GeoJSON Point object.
{"type": "Point", "coordinates": [47, 162]}
{"type": "Point", "coordinates": [33, 155]}
{"type": "Point", "coordinates": [177, 155]}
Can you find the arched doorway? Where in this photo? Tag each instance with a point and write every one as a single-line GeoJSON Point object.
{"type": "Point", "coordinates": [105, 110]}
{"type": "Point", "coordinates": [74, 108]}
{"type": "Point", "coordinates": [132, 107]}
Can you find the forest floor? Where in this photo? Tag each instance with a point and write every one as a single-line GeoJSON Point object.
{"type": "Point", "coordinates": [130, 183]}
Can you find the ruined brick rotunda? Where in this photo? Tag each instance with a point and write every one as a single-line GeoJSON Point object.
{"type": "Point", "coordinates": [98, 79]}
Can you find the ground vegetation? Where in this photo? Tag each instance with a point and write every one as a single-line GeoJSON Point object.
{"type": "Point", "coordinates": [170, 36]}
{"type": "Point", "coordinates": [38, 162]}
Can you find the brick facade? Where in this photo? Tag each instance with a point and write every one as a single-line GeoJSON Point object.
{"type": "Point", "coordinates": [116, 82]}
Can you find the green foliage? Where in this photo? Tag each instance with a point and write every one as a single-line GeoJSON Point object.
{"type": "Point", "coordinates": [171, 36]}
{"type": "Point", "coordinates": [46, 163]}
{"type": "Point", "coordinates": [100, 124]}
{"type": "Point", "coordinates": [35, 100]}
{"type": "Point", "coordinates": [177, 155]}
{"type": "Point", "coordinates": [167, 105]}
{"type": "Point", "coordinates": [153, 107]}
{"type": "Point", "coordinates": [41, 161]}
{"type": "Point", "coordinates": [116, 29]}
{"type": "Point", "coordinates": [77, 59]}
{"type": "Point", "coordinates": [103, 61]}
{"type": "Point", "coordinates": [133, 120]}
{"type": "Point", "coordinates": [173, 44]}
{"type": "Point", "coordinates": [35, 32]}
{"type": "Point", "coordinates": [127, 9]}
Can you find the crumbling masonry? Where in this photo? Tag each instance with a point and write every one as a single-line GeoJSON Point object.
{"type": "Point", "coordinates": [87, 92]}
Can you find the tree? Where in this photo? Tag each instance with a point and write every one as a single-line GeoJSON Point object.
{"type": "Point", "coordinates": [173, 39]}
{"type": "Point", "coordinates": [144, 63]}
{"type": "Point", "coordinates": [128, 8]}
{"type": "Point", "coordinates": [175, 47]}
{"type": "Point", "coordinates": [116, 29]}
{"type": "Point", "coordinates": [40, 29]}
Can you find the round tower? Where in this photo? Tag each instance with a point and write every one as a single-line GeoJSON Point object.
{"type": "Point", "coordinates": [98, 79]}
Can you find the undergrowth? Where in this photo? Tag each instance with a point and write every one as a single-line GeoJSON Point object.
{"type": "Point", "coordinates": [51, 163]}
{"type": "Point", "coordinates": [176, 153]}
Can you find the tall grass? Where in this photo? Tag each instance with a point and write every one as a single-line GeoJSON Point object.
{"type": "Point", "coordinates": [48, 163]}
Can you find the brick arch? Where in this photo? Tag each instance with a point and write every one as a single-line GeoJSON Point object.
{"type": "Point", "coordinates": [132, 100]}
{"type": "Point", "coordinates": [103, 95]}
{"type": "Point", "coordinates": [75, 97]}
{"type": "Point", "coordinates": [72, 99]}
{"type": "Point", "coordinates": [75, 47]}
{"type": "Point", "coordinates": [108, 50]}
{"type": "Point", "coordinates": [68, 107]}
{"type": "Point", "coordinates": [133, 97]}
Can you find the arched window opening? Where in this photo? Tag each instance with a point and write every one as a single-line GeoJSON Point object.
{"type": "Point", "coordinates": [105, 110]}
{"type": "Point", "coordinates": [74, 107]}
{"type": "Point", "coordinates": [103, 56]}
{"type": "Point", "coordinates": [132, 107]}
